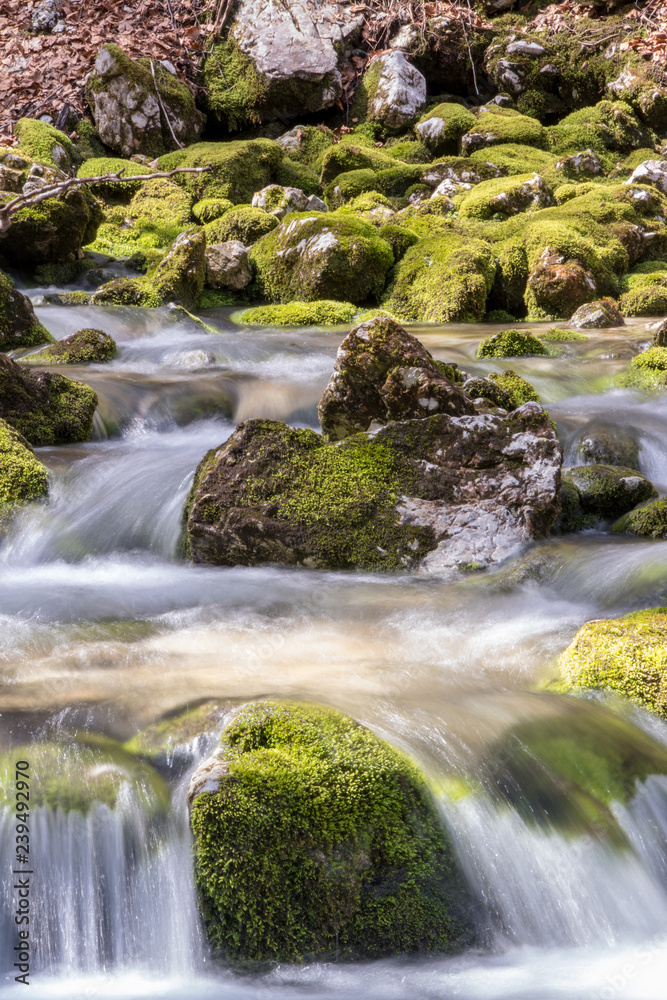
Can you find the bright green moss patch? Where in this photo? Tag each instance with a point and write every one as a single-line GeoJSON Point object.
{"type": "Point", "coordinates": [514, 158]}
{"type": "Point", "coordinates": [113, 165]}
{"type": "Point", "coordinates": [347, 186]}
{"type": "Point", "coordinates": [511, 344]}
{"type": "Point", "coordinates": [234, 90]}
{"type": "Point", "coordinates": [238, 168]}
{"type": "Point", "coordinates": [409, 151]}
{"type": "Point", "coordinates": [562, 336]}
{"type": "Point", "coordinates": [85, 347]}
{"type": "Point", "coordinates": [650, 300]}
{"type": "Point", "coordinates": [19, 327]}
{"type": "Point", "coordinates": [42, 142]}
{"type": "Point", "coordinates": [334, 831]}
{"type": "Point", "coordinates": [243, 223]}
{"type": "Point", "coordinates": [441, 128]}
{"type": "Point", "coordinates": [22, 477]}
{"type": "Point", "coordinates": [519, 389]}
{"type": "Point", "coordinates": [500, 125]}
{"type": "Point", "coordinates": [209, 209]}
{"type": "Point", "coordinates": [607, 126]}
{"type": "Point", "coordinates": [45, 407]}
{"type": "Point", "coordinates": [73, 773]}
{"type": "Point", "coordinates": [627, 655]}
{"type": "Point", "coordinates": [399, 239]}
{"type": "Point", "coordinates": [318, 313]}
{"type": "Point", "coordinates": [504, 197]}
{"type": "Point", "coordinates": [650, 520]}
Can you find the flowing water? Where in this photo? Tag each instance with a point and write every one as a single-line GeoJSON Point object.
{"type": "Point", "coordinates": [103, 628]}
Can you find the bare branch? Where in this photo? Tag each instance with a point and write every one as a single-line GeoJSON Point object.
{"type": "Point", "coordinates": [54, 190]}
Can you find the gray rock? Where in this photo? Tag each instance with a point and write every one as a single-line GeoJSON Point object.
{"type": "Point", "coordinates": [607, 491]}
{"type": "Point", "coordinates": [524, 48]}
{"type": "Point", "coordinates": [510, 75]}
{"type": "Point", "coordinates": [44, 17]}
{"type": "Point", "coordinates": [650, 172]}
{"type": "Point", "coordinates": [227, 266]}
{"type": "Point", "coordinates": [586, 163]}
{"type": "Point", "coordinates": [133, 112]}
{"type": "Point", "coordinates": [603, 444]}
{"type": "Point", "coordinates": [396, 90]}
{"type": "Point", "coordinates": [278, 201]}
{"type": "Point", "coordinates": [602, 314]}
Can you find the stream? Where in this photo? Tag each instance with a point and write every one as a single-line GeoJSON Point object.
{"type": "Point", "coordinates": [104, 628]}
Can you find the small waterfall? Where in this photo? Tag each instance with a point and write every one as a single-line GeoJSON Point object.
{"type": "Point", "coordinates": [109, 892]}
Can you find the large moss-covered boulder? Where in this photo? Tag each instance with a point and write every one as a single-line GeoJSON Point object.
{"type": "Point", "coordinates": [314, 839]}
{"type": "Point", "coordinates": [627, 655]}
{"type": "Point", "coordinates": [22, 476]}
{"type": "Point", "coordinates": [649, 521]}
{"type": "Point", "coordinates": [441, 128]}
{"type": "Point", "coordinates": [179, 277]}
{"type": "Point", "coordinates": [85, 347]}
{"type": "Point", "coordinates": [496, 126]}
{"type": "Point", "coordinates": [44, 143]}
{"type": "Point", "coordinates": [511, 344]}
{"type": "Point", "coordinates": [607, 126]}
{"type": "Point", "coordinates": [505, 196]}
{"type": "Point", "coordinates": [443, 279]}
{"type": "Point", "coordinates": [46, 408]}
{"type": "Point", "coordinates": [278, 60]}
{"type": "Point", "coordinates": [556, 284]}
{"type": "Point", "coordinates": [74, 772]}
{"type": "Point", "coordinates": [19, 327]}
{"type": "Point", "coordinates": [598, 315]}
{"type": "Point", "coordinates": [236, 169]}
{"type": "Point", "coordinates": [383, 373]}
{"type": "Point", "coordinates": [139, 106]}
{"type": "Point", "coordinates": [244, 223]}
{"type": "Point", "coordinates": [319, 256]}
{"type": "Point", "coordinates": [607, 491]}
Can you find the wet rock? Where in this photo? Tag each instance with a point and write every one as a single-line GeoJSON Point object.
{"type": "Point", "coordinates": [22, 477]}
{"type": "Point", "coordinates": [660, 334]}
{"type": "Point", "coordinates": [85, 347]}
{"type": "Point", "coordinates": [44, 407]}
{"type": "Point", "coordinates": [556, 284]}
{"type": "Point", "coordinates": [176, 740]}
{"type": "Point", "coordinates": [598, 315]}
{"type": "Point", "coordinates": [649, 521]}
{"type": "Point", "coordinates": [383, 373]}
{"type": "Point", "coordinates": [627, 655]}
{"type": "Point", "coordinates": [607, 491]}
{"type": "Point", "coordinates": [393, 91]}
{"type": "Point", "coordinates": [365, 870]}
{"type": "Point", "coordinates": [606, 445]}
{"type": "Point", "coordinates": [19, 327]}
{"type": "Point", "coordinates": [227, 266]}
{"type": "Point", "coordinates": [136, 108]}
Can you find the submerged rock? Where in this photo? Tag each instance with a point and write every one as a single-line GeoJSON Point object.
{"type": "Point", "coordinates": [22, 476]}
{"type": "Point", "coordinates": [627, 655]}
{"type": "Point", "coordinates": [599, 315]}
{"type": "Point", "coordinates": [85, 347]}
{"type": "Point", "coordinates": [433, 491]}
{"type": "Point", "coordinates": [44, 407]}
{"type": "Point", "coordinates": [19, 327]}
{"type": "Point", "coordinates": [608, 491]}
{"type": "Point", "coordinates": [314, 839]}
{"type": "Point", "coordinates": [604, 444]}
{"type": "Point", "coordinates": [173, 740]}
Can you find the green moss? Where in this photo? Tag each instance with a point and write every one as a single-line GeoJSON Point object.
{"type": "Point", "coordinates": [216, 300]}
{"type": "Point", "coordinates": [75, 772]}
{"type": "Point", "coordinates": [443, 279]}
{"type": "Point", "coordinates": [649, 520]}
{"type": "Point", "coordinates": [22, 477]}
{"type": "Point", "coordinates": [51, 231]}
{"type": "Point", "coordinates": [243, 223]}
{"type": "Point", "coordinates": [38, 141]}
{"type": "Point", "coordinates": [562, 336]}
{"type": "Point", "coordinates": [397, 181]}
{"type": "Point", "coordinates": [308, 144]}
{"type": "Point", "coordinates": [85, 347]}
{"type": "Point", "coordinates": [209, 209]}
{"type": "Point", "coordinates": [511, 344]}
{"type": "Point", "coordinates": [608, 491]}
{"type": "Point", "coordinates": [650, 300]}
{"type": "Point", "coordinates": [409, 151]}
{"type": "Point", "coordinates": [514, 158]}
{"type": "Point", "coordinates": [113, 165]}
{"type": "Point", "coordinates": [608, 125]}
{"type": "Point", "coordinates": [290, 173]}
{"type": "Point", "coordinates": [502, 197]}
{"type": "Point", "coordinates": [46, 408]}
{"type": "Point", "coordinates": [181, 727]}
{"type": "Point", "coordinates": [504, 126]}
{"type": "Point", "coordinates": [399, 239]}
{"type": "Point", "coordinates": [310, 257]}
{"type": "Point", "coordinates": [19, 327]}
{"type": "Point", "coordinates": [456, 120]}
{"type": "Point", "coordinates": [368, 201]}
{"type": "Point", "coordinates": [238, 168]}
{"type": "Point", "coordinates": [627, 655]}
{"type": "Point", "coordinates": [343, 157]}
{"type": "Point", "coordinates": [88, 144]}
{"type": "Point", "coordinates": [519, 389]}
{"type": "Point", "coordinates": [318, 313]}
{"type": "Point", "coordinates": [648, 272]}
{"type": "Point", "coordinates": [337, 834]}
{"type": "Point", "coordinates": [235, 92]}
{"type": "Point", "coordinates": [348, 186]}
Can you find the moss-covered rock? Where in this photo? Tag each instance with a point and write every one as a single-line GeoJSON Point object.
{"type": "Point", "coordinates": [408, 151]}
{"type": "Point", "coordinates": [607, 126]}
{"type": "Point", "coordinates": [138, 106]}
{"type": "Point", "coordinates": [607, 491]}
{"type": "Point", "coordinates": [626, 655]}
{"type": "Point", "coordinates": [110, 190]}
{"type": "Point", "coordinates": [496, 126]}
{"type": "Point", "coordinates": [391, 91]}
{"type": "Point", "coordinates": [325, 312]}
{"type": "Point", "coordinates": [311, 257]}
{"type": "Point", "coordinates": [165, 742]}
{"type": "Point", "coordinates": [443, 280]}
{"type": "Point", "coordinates": [74, 772]}
{"type": "Point", "coordinates": [142, 231]}
{"type": "Point", "coordinates": [604, 444]}
{"type": "Point", "coordinates": [179, 277]}
{"type": "Point", "coordinates": [85, 347]}
{"type": "Point", "coordinates": [346, 156]}
{"type": "Point", "coordinates": [650, 300]}
{"type": "Point", "coordinates": [19, 327]}
{"type": "Point", "coordinates": [349, 185]}
{"type": "Point", "coordinates": [649, 521]}
{"type": "Point", "coordinates": [22, 477]}
{"type": "Point", "coordinates": [399, 239]}
{"type": "Point", "coordinates": [504, 197]}
{"type": "Point", "coordinates": [511, 344]}
{"type": "Point", "coordinates": [209, 209]}
{"type": "Point", "coordinates": [513, 158]}
{"type": "Point", "coordinates": [52, 230]}
{"type": "Point", "coordinates": [441, 128]}
{"type": "Point", "coordinates": [518, 389]}
{"type": "Point", "coordinates": [44, 143]}
{"type": "Point", "coordinates": [243, 223]}
{"type": "Point", "coordinates": [44, 407]}
{"type": "Point", "coordinates": [315, 839]}
{"type": "Point", "coordinates": [307, 144]}
{"type": "Point", "coordinates": [237, 169]}
{"type": "Point", "coordinates": [597, 315]}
